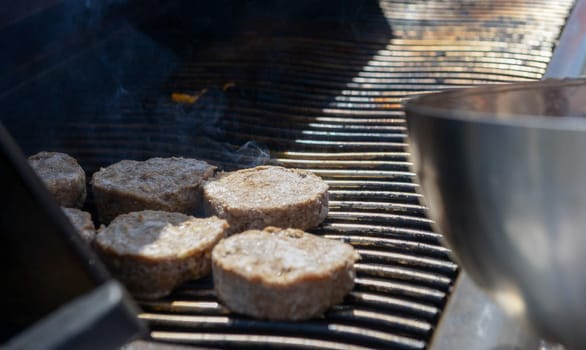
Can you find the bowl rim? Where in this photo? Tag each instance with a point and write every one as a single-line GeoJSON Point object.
{"type": "Point", "coordinates": [426, 105]}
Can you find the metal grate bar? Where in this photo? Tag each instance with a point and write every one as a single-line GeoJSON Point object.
{"type": "Point", "coordinates": [271, 341]}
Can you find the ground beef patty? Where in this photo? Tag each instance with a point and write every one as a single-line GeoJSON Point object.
{"type": "Point", "coordinates": [62, 176]}
{"type": "Point", "coordinates": [82, 221]}
{"type": "Point", "coordinates": [152, 252]}
{"type": "Point", "coordinates": [169, 184]}
{"type": "Point", "coordinates": [282, 274]}
{"type": "Point", "coordinates": [267, 196]}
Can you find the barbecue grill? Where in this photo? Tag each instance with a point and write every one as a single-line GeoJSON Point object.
{"type": "Point", "coordinates": [305, 85]}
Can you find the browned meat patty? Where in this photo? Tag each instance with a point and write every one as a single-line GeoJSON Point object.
{"type": "Point", "coordinates": [82, 221]}
{"type": "Point", "coordinates": [282, 274]}
{"type": "Point", "coordinates": [62, 175]}
{"type": "Point", "coordinates": [168, 184]}
{"type": "Point", "coordinates": [267, 196]}
{"type": "Point", "coordinates": [152, 252]}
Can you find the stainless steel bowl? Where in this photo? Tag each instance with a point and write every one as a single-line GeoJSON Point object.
{"type": "Point", "coordinates": [503, 172]}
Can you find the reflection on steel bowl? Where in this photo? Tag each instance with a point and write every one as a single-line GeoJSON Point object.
{"type": "Point", "coordinates": [503, 171]}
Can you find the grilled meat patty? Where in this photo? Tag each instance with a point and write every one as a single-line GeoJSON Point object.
{"type": "Point", "coordinates": [267, 196]}
{"type": "Point", "coordinates": [282, 274]}
{"type": "Point", "coordinates": [62, 175]}
{"type": "Point", "coordinates": [82, 221]}
{"type": "Point", "coordinates": [168, 184]}
{"type": "Point", "coordinates": [152, 252]}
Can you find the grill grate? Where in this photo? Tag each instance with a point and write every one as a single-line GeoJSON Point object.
{"type": "Point", "coordinates": [332, 106]}
{"type": "Point", "coordinates": [356, 143]}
